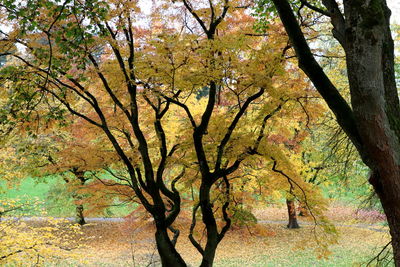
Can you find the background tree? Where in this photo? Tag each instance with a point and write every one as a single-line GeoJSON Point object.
{"type": "Point", "coordinates": [40, 140]}
{"type": "Point", "coordinates": [83, 154]}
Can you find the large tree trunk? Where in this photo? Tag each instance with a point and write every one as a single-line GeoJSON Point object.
{"type": "Point", "coordinates": [168, 254]}
{"type": "Point", "coordinates": [292, 214]}
{"type": "Point", "coordinates": [391, 206]}
{"type": "Point", "coordinates": [369, 53]}
{"type": "Point", "coordinates": [373, 123]}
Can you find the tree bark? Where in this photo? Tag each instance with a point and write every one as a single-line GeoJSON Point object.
{"type": "Point", "coordinates": [79, 217]}
{"type": "Point", "coordinates": [292, 214]}
{"type": "Point", "coordinates": [376, 104]}
{"type": "Point", "coordinates": [391, 207]}
{"type": "Point", "coordinates": [210, 223]}
{"type": "Point", "coordinates": [168, 254]}
{"type": "Point", "coordinates": [373, 123]}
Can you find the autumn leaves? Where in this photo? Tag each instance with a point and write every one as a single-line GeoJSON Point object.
{"type": "Point", "coordinates": [193, 111]}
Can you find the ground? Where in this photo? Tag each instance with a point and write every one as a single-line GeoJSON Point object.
{"type": "Point", "coordinates": [362, 234]}
{"type": "Point", "coordinates": [268, 244]}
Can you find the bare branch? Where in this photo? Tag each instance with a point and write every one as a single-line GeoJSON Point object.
{"type": "Point", "coordinates": [316, 9]}
{"type": "Point", "coordinates": [192, 226]}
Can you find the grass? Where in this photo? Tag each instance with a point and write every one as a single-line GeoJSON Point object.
{"type": "Point", "coordinates": [355, 247]}
{"type": "Point", "coordinates": [340, 258]}
{"type": "Point", "coordinates": [351, 255]}
{"type": "Point", "coordinates": [52, 197]}
{"type": "Point", "coordinates": [29, 187]}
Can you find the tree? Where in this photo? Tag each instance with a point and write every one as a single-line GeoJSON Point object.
{"type": "Point", "coordinates": [130, 82]}
{"type": "Point", "coordinates": [83, 153]}
{"type": "Point", "coordinates": [45, 146]}
{"type": "Point", "coordinates": [292, 224]}
{"type": "Point", "coordinates": [64, 78]}
{"type": "Point", "coordinates": [62, 62]}
{"type": "Point", "coordinates": [372, 122]}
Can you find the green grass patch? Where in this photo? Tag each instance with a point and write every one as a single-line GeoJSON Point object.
{"type": "Point", "coordinates": [50, 197]}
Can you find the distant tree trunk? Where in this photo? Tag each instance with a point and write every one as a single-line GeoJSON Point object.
{"type": "Point", "coordinates": [79, 217]}
{"type": "Point", "coordinates": [292, 214]}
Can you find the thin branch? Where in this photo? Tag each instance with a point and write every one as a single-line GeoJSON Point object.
{"type": "Point", "coordinates": [195, 15]}
{"type": "Point", "coordinates": [376, 258]}
{"type": "Point", "coordinates": [316, 9]}
{"type": "Point", "coordinates": [263, 125]}
{"type": "Point", "coordinates": [232, 126]}
{"type": "Point", "coordinates": [16, 252]}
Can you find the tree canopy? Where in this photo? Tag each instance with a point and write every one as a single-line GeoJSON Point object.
{"type": "Point", "coordinates": [198, 107]}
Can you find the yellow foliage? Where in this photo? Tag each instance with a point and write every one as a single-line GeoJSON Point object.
{"type": "Point", "coordinates": [37, 241]}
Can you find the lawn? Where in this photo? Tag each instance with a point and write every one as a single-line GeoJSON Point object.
{"type": "Point", "coordinates": [271, 244]}
{"type": "Point", "coordinates": [50, 197]}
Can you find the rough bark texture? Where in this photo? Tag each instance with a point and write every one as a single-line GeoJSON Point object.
{"type": "Point", "coordinates": [369, 53]}
{"type": "Point", "coordinates": [391, 208]}
{"type": "Point", "coordinates": [292, 215]}
{"type": "Point", "coordinates": [373, 122]}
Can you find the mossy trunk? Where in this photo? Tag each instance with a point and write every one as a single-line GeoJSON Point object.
{"type": "Point", "coordinates": [374, 96]}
